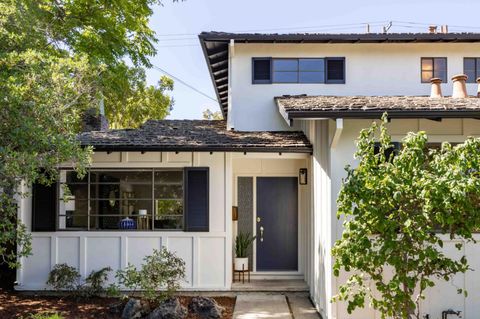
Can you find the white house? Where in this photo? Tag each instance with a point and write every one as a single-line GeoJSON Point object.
{"type": "Point", "coordinates": [294, 105]}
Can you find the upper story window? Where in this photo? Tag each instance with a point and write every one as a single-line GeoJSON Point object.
{"type": "Point", "coordinates": [298, 70]}
{"type": "Point", "coordinates": [471, 67]}
{"type": "Point", "coordinates": [433, 68]}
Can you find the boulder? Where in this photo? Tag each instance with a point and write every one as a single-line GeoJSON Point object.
{"type": "Point", "coordinates": [169, 309]}
{"type": "Point", "coordinates": [135, 309]}
{"type": "Point", "coordinates": [206, 308]}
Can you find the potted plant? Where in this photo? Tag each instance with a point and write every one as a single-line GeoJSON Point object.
{"type": "Point", "coordinates": [242, 243]}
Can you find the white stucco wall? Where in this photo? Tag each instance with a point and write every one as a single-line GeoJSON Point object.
{"type": "Point", "coordinates": [207, 254]}
{"type": "Point", "coordinates": [442, 297]}
{"type": "Point", "coordinates": [371, 69]}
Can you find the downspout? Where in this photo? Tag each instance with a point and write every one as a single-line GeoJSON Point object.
{"type": "Point", "coordinates": [231, 52]}
{"type": "Point", "coordinates": [338, 133]}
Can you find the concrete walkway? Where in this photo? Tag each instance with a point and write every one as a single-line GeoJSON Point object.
{"type": "Point", "coordinates": [275, 306]}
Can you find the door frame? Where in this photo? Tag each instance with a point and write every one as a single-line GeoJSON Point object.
{"type": "Point", "coordinates": [300, 261]}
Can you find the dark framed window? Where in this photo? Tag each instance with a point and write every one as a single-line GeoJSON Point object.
{"type": "Point", "coordinates": [261, 70]}
{"type": "Point", "coordinates": [471, 67]}
{"type": "Point", "coordinates": [335, 70]}
{"type": "Point", "coordinates": [433, 68]}
{"type": "Point", "coordinates": [113, 199]}
{"type": "Point", "coordinates": [298, 70]}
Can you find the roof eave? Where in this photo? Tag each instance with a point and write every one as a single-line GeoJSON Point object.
{"type": "Point", "coordinates": [376, 114]}
{"type": "Point", "coordinates": [174, 148]}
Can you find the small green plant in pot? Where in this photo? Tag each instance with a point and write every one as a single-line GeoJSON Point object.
{"type": "Point", "coordinates": [242, 243]}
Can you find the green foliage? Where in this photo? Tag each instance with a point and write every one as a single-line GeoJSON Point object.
{"type": "Point", "coordinates": [158, 277]}
{"type": "Point", "coordinates": [67, 278]}
{"type": "Point", "coordinates": [209, 115]}
{"type": "Point", "coordinates": [57, 59]}
{"type": "Point", "coordinates": [397, 213]}
{"type": "Point", "coordinates": [242, 243]}
{"type": "Point", "coordinates": [63, 277]}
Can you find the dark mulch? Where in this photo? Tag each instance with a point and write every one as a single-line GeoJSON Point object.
{"type": "Point", "coordinates": [16, 305]}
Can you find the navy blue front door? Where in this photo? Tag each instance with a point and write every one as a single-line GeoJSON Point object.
{"type": "Point", "coordinates": [277, 224]}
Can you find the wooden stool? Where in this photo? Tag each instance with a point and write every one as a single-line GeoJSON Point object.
{"type": "Point", "coordinates": [241, 274]}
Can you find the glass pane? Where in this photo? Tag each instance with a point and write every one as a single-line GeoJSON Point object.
{"type": "Point", "coordinates": [427, 64]}
{"type": "Point", "coordinates": [261, 70]}
{"type": "Point", "coordinates": [441, 74]}
{"type": "Point", "coordinates": [168, 191]}
{"type": "Point", "coordinates": [72, 177]}
{"type": "Point", "coordinates": [478, 68]}
{"type": "Point", "coordinates": [335, 70]}
{"type": "Point", "coordinates": [78, 191]}
{"type": "Point", "coordinates": [469, 64]}
{"type": "Point", "coordinates": [285, 65]}
{"type": "Point", "coordinates": [121, 176]}
{"type": "Point", "coordinates": [170, 177]}
{"type": "Point", "coordinates": [471, 76]}
{"type": "Point", "coordinates": [169, 214]}
{"type": "Point", "coordinates": [124, 207]}
{"type": "Point", "coordinates": [73, 221]}
{"type": "Point", "coordinates": [440, 64]}
{"type": "Point", "coordinates": [285, 77]}
{"type": "Point", "coordinates": [311, 77]}
{"type": "Point", "coordinates": [311, 65]}
{"type": "Point", "coordinates": [426, 76]}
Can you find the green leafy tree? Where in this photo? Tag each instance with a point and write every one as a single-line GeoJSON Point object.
{"type": "Point", "coordinates": [57, 59]}
{"type": "Point", "coordinates": [398, 210]}
{"type": "Point", "coordinates": [209, 115]}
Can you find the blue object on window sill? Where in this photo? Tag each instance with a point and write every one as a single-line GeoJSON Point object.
{"type": "Point", "coordinates": [127, 223]}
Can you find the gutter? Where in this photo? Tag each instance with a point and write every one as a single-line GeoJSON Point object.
{"type": "Point", "coordinates": [133, 148]}
{"type": "Point", "coordinates": [377, 114]}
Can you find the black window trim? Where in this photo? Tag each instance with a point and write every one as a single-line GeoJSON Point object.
{"type": "Point", "coordinates": [325, 59]}
{"type": "Point", "coordinates": [477, 74]}
{"type": "Point", "coordinates": [327, 81]}
{"type": "Point", "coordinates": [254, 81]}
{"type": "Point", "coordinates": [433, 67]}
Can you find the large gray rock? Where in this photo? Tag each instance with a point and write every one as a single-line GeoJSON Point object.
{"type": "Point", "coordinates": [135, 309]}
{"type": "Point", "coordinates": [205, 308]}
{"type": "Point", "coordinates": [169, 309]}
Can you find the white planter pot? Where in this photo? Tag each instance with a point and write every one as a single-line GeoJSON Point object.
{"type": "Point", "coordinates": [241, 263]}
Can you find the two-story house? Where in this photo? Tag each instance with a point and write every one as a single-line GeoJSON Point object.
{"type": "Point", "coordinates": [293, 106]}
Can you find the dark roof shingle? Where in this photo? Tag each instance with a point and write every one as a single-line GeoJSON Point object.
{"type": "Point", "coordinates": [194, 135]}
{"type": "Point", "coordinates": [302, 106]}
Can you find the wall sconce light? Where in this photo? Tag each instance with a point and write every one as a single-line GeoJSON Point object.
{"type": "Point", "coordinates": [234, 213]}
{"type": "Point", "coordinates": [302, 176]}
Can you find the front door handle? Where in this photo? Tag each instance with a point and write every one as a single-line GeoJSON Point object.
{"type": "Point", "coordinates": [261, 233]}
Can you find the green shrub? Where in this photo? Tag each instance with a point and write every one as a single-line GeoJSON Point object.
{"type": "Point", "coordinates": [64, 277]}
{"type": "Point", "coordinates": [158, 277]}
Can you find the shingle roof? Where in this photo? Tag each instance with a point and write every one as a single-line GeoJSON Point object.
{"type": "Point", "coordinates": [194, 135]}
{"type": "Point", "coordinates": [215, 47]}
{"type": "Point", "coordinates": [302, 106]}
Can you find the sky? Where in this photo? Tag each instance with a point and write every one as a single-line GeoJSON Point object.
{"type": "Point", "coordinates": [177, 25]}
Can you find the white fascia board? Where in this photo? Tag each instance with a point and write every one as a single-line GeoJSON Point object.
{"type": "Point", "coordinates": [338, 133]}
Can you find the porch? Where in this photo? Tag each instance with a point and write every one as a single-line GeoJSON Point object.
{"type": "Point", "coordinates": [271, 285]}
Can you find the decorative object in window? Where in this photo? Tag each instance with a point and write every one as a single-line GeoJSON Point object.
{"type": "Point", "coordinates": [433, 68]}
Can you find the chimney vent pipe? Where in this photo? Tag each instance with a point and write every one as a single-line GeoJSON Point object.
{"type": "Point", "coordinates": [436, 89]}
{"type": "Point", "coordinates": [459, 86]}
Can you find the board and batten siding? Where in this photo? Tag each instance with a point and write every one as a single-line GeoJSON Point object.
{"type": "Point", "coordinates": [207, 254]}
{"type": "Point", "coordinates": [443, 296]}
